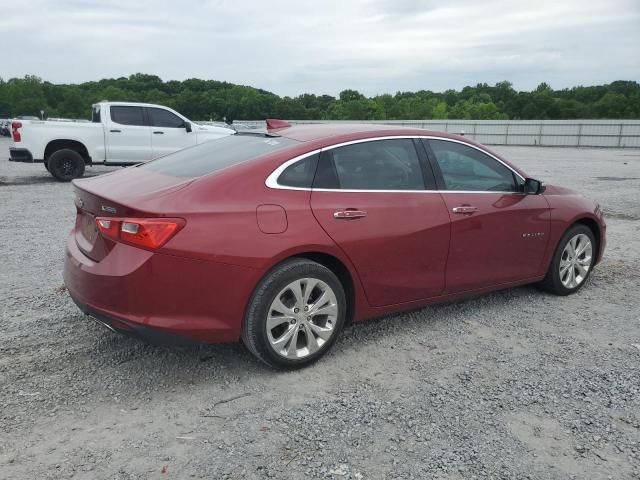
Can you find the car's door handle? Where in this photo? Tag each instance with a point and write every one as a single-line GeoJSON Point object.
{"type": "Point", "coordinates": [349, 214]}
{"type": "Point", "coordinates": [158, 133]}
{"type": "Point", "coordinates": [115, 131]}
{"type": "Point", "coordinates": [464, 209]}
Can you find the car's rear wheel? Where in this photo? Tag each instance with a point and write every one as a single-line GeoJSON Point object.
{"type": "Point", "coordinates": [65, 165]}
{"type": "Point", "coordinates": [572, 261]}
{"type": "Point", "coordinates": [295, 314]}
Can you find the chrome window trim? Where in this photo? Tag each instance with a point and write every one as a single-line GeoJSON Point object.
{"type": "Point", "coordinates": [503, 192]}
{"type": "Point", "coordinates": [272, 179]}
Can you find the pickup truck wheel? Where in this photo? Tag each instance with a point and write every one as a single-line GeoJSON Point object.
{"type": "Point", "coordinates": [65, 165]}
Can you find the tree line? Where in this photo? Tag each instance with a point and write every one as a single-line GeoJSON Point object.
{"type": "Point", "coordinates": [214, 100]}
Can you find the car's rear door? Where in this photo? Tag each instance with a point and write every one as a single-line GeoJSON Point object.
{"type": "Point", "coordinates": [377, 201]}
{"type": "Point", "coordinates": [128, 136]}
{"type": "Point", "coordinates": [498, 233]}
{"type": "Point", "coordinates": [168, 132]}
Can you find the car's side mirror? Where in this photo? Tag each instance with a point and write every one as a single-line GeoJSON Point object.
{"type": "Point", "coordinates": [533, 186]}
{"type": "Point", "coordinates": [187, 127]}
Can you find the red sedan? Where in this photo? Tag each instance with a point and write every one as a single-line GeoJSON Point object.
{"type": "Point", "coordinates": [280, 238]}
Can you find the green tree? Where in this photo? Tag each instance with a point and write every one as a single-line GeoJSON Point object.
{"type": "Point", "coordinates": [26, 96]}
{"type": "Point", "coordinates": [204, 99]}
{"type": "Point", "coordinates": [350, 95]}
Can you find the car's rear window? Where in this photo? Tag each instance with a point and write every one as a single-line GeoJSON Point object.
{"type": "Point", "coordinates": [216, 154]}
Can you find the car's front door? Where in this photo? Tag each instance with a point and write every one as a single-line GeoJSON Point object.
{"type": "Point", "coordinates": [371, 198]}
{"type": "Point", "coordinates": [498, 233]}
{"type": "Point", "coordinates": [128, 137]}
{"type": "Point", "coordinates": [168, 132]}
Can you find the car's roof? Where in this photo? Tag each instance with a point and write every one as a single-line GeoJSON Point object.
{"type": "Point", "coordinates": [352, 131]}
{"type": "Point", "coordinates": [320, 135]}
{"type": "Point", "coordinates": [131, 104]}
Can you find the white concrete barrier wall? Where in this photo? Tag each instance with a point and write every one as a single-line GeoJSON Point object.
{"type": "Point", "coordinates": [552, 133]}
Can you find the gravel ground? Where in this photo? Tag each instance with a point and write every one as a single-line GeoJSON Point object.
{"type": "Point", "coordinates": [516, 384]}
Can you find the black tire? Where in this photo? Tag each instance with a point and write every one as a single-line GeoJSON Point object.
{"type": "Point", "coordinates": [65, 165]}
{"type": "Point", "coordinates": [46, 165]}
{"type": "Point", "coordinates": [254, 331]}
{"type": "Point", "coordinates": [552, 282]}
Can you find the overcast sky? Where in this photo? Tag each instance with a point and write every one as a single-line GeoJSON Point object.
{"type": "Point", "coordinates": [293, 47]}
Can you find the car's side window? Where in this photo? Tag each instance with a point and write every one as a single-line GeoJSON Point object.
{"type": "Point", "coordinates": [299, 174]}
{"type": "Point", "coordinates": [373, 165]}
{"type": "Point", "coordinates": [164, 118]}
{"type": "Point", "coordinates": [127, 115]}
{"type": "Point", "coordinates": [468, 169]}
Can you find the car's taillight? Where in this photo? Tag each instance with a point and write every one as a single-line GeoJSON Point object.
{"type": "Point", "coordinates": [109, 228]}
{"type": "Point", "coordinates": [150, 233]}
{"type": "Point", "coordinates": [15, 134]}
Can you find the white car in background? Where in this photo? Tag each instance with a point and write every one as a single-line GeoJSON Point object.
{"type": "Point", "coordinates": [120, 133]}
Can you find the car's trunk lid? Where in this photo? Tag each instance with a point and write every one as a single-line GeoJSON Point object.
{"type": "Point", "coordinates": [133, 188]}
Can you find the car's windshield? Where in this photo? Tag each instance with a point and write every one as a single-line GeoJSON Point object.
{"type": "Point", "coordinates": [216, 154]}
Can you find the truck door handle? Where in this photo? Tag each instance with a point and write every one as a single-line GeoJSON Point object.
{"type": "Point", "coordinates": [115, 131]}
{"type": "Point", "coordinates": [465, 209]}
{"type": "Point", "coordinates": [158, 133]}
{"type": "Point", "coordinates": [349, 214]}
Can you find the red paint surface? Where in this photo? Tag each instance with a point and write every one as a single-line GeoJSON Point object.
{"type": "Point", "coordinates": [271, 219]}
{"type": "Point", "coordinates": [409, 251]}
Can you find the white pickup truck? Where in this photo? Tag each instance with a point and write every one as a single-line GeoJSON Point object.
{"type": "Point", "coordinates": [119, 134]}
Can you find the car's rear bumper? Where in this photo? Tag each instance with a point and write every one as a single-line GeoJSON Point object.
{"type": "Point", "coordinates": [148, 334]}
{"type": "Point", "coordinates": [156, 296]}
{"type": "Point", "coordinates": [20, 155]}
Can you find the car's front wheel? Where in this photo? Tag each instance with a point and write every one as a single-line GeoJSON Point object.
{"type": "Point", "coordinates": [295, 314]}
{"type": "Point", "coordinates": [572, 261]}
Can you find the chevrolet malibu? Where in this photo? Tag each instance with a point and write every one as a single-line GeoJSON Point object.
{"type": "Point", "coordinates": [280, 238]}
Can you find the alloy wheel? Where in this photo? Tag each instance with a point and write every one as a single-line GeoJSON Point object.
{"type": "Point", "coordinates": [302, 318]}
{"type": "Point", "coordinates": [575, 261]}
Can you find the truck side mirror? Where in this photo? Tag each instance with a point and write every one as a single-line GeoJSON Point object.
{"type": "Point", "coordinates": [187, 127]}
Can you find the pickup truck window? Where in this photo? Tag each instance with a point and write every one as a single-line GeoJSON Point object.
{"type": "Point", "coordinates": [95, 114]}
{"type": "Point", "coordinates": [127, 115]}
{"type": "Point", "coordinates": [217, 154]}
{"type": "Point", "coordinates": [164, 118]}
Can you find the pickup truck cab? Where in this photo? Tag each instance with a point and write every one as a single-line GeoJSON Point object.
{"type": "Point", "coordinates": [119, 134]}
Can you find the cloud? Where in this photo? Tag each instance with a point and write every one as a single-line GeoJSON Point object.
{"type": "Point", "coordinates": [292, 47]}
